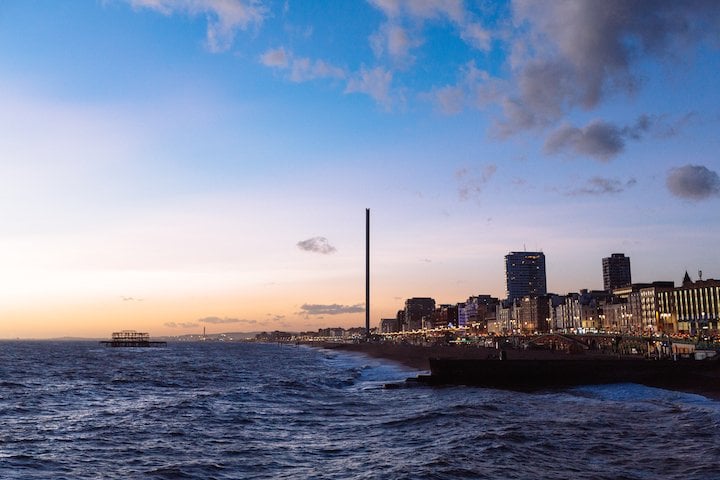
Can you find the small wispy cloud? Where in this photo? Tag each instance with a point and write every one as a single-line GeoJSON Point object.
{"type": "Point", "coordinates": [181, 324]}
{"type": "Point", "coordinates": [472, 184]}
{"type": "Point", "coordinates": [219, 320]}
{"type": "Point", "coordinates": [332, 309]}
{"type": "Point", "coordinates": [375, 82]}
{"type": "Point", "coordinates": [224, 17]}
{"type": "Point", "coordinates": [316, 245]}
{"type": "Point", "coordinates": [693, 182]}
{"type": "Point", "coordinates": [132, 299]}
{"type": "Point", "coordinates": [602, 186]}
{"type": "Point", "coordinates": [300, 69]}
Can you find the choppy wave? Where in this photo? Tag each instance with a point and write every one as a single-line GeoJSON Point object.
{"type": "Point", "coordinates": [229, 411]}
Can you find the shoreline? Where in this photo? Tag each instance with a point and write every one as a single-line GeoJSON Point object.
{"type": "Point", "coordinates": [417, 358]}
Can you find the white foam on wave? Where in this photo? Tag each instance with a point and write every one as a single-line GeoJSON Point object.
{"type": "Point", "coordinates": [633, 392]}
{"type": "Point", "coordinates": [372, 372]}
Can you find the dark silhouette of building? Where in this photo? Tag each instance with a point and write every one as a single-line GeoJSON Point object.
{"type": "Point", "coordinates": [415, 309]}
{"type": "Point", "coordinates": [616, 271]}
{"type": "Point", "coordinates": [525, 274]}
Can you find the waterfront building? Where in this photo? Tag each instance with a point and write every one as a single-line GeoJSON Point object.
{"type": "Point", "coordinates": [533, 313]}
{"type": "Point", "coordinates": [446, 316]}
{"type": "Point", "coordinates": [554, 302]}
{"type": "Point", "coordinates": [476, 310]}
{"type": "Point", "coordinates": [504, 319]}
{"type": "Point", "coordinates": [415, 309]}
{"type": "Point", "coordinates": [590, 308]}
{"type": "Point", "coordinates": [400, 320]}
{"type": "Point", "coordinates": [463, 312]}
{"type": "Point", "coordinates": [653, 311]}
{"type": "Point", "coordinates": [579, 311]}
{"type": "Point", "coordinates": [631, 321]}
{"type": "Point", "coordinates": [525, 274]}
{"type": "Point", "coordinates": [389, 325]}
{"type": "Point", "coordinates": [566, 317]}
{"type": "Point", "coordinates": [698, 307]}
{"type": "Point", "coordinates": [616, 271]}
{"type": "Point", "coordinates": [614, 315]}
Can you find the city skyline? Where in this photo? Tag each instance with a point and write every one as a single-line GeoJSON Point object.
{"type": "Point", "coordinates": [174, 165]}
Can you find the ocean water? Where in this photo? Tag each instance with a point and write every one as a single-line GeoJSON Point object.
{"type": "Point", "coordinates": [76, 410]}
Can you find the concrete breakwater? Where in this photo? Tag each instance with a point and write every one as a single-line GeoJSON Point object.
{"type": "Point", "coordinates": [526, 370]}
{"type": "Point", "coordinates": [528, 374]}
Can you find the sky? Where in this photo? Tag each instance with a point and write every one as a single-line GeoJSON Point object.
{"type": "Point", "coordinates": [174, 165]}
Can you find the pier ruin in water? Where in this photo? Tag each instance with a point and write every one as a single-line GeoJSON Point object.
{"type": "Point", "coordinates": [131, 338]}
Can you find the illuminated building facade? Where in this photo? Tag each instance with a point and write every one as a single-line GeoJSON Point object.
{"type": "Point", "coordinates": [698, 307]}
{"type": "Point", "coordinates": [525, 274]}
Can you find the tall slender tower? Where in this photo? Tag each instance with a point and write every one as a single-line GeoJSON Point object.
{"type": "Point", "coordinates": [367, 273]}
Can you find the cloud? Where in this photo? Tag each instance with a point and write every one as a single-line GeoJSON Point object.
{"type": "Point", "coordinates": [218, 320]}
{"type": "Point", "coordinates": [300, 69]}
{"type": "Point", "coordinates": [375, 82]}
{"type": "Point", "coordinates": [476, 36]}
{"type": "Point", "coordinates": [471, 186]}
{"type": "Point", "coordinates": [600, 140]}
{"type": "Point", "coordinates": [394, 41]}
{"type": "Point", "coordinates": [181, 324]}
{"type": "Point", "coordinates": [224, 17]}
{"type": "Point", "coordinates": [275, 317]}
{"type": "Point", "coordinates": [334, 309]}
{"type": "Point", "coordinates": [451, 99]}
{"type": "Point", "coordinates": [602, 186]}
{"type": "Point", "coordinates": [421, 9]}
{"type": "Point", "coordinates": [277, 58]}
{"type": "Point", "coordinates": [569, 54]}
{"type": "Point", "coordinates": [317, 245]}
{"type": "Point", "coordinates": [693, 182]}
{"type": "Point", "coordinates": [402, 31]}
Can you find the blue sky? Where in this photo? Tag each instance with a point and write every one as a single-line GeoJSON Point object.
{"type": "Point", "coordinates": [162, 161]}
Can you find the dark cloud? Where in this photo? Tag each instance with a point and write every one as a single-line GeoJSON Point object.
{"type": "Point", "coordinates": [218, 320]}
{"type": "Point", "coordinates": [693, 182]}
{"type": "Point", "coordinates": [334, 309]}
{"type": "Point", "coordinates": [472, 184]}
{"type": "Point", "coordinates": [317, 245]}
{"type": "Point", "coordinates": [600, 140]}
{"type": "Point", "coordinates": [181, 325]}
{"type": "Point", "coordinates": [602, 186]}
{"type": "Point", "coordinates": [575, 53]}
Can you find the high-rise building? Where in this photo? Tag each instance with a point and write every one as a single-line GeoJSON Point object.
{"type": "Point", "coordinates": [616, 271]}
{"type": "Point", "coordinates": [416, 309]}
{"type": "Point", "coordinates": [525, 274]}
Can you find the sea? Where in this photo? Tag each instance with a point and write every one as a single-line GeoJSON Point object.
{"type": "Point", "coordinates": [78, 410]}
